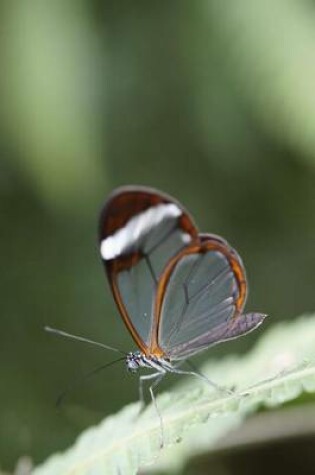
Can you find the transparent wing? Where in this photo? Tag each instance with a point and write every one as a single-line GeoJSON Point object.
{"type": "Point", "coordinates": [140, 230]}
{"type": "Point", "coordinates": [205, 292]}
{"type": "Point", "coordinates": [241, 325]}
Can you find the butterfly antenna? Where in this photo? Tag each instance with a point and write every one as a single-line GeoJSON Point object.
{"type": "Point", "coordinates": [83, 378]}
{"type": "Point", "coordinates": [81, 338]}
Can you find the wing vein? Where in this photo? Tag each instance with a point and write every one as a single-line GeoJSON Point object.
{"type": "Point", "coordinates": [199, 293]}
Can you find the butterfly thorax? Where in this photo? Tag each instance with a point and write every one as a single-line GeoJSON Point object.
{"type": "Point", "coordinates": [136, 360]}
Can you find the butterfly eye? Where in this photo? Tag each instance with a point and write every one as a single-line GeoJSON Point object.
{"type": "Point", "coordinates": [132, 362]}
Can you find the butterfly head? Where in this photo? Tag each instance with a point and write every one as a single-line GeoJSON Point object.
{"type": "Point", "coordinates": [133, 361]}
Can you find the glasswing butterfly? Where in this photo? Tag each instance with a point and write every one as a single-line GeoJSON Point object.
{"type": "Point", "coordinates": [178, 291]}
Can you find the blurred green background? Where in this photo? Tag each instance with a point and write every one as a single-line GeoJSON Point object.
{"type": "Point", "coordinates": [211, 101]}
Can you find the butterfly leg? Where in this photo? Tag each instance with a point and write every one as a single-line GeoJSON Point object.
{"type": "Point", "coordinates": [158, 377]}
{"type": "Point", "coordinates": [143, 378]}
{"type": "Point", "coordinates": [201, 376]}
{"type": "Point", "coordinates": [153, 385]}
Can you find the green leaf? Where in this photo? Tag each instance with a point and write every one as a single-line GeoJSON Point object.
{"type": "Point", "coordinates": [278, 370]}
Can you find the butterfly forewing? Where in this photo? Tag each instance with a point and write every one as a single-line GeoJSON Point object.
{"type": "Point", "coordinates": [140, 231]}
{"type": "Point", "coordinates": [202, 294]}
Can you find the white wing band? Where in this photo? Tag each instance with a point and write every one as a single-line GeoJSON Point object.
{"type": "Point", "coordinates": [124, 238]}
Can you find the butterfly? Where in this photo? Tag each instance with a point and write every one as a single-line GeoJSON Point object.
{"type": "Point", "coordinates": [178, 291]}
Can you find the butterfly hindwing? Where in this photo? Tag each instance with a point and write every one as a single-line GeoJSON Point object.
{"type": "Point", "coordinates": [204, 295]}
